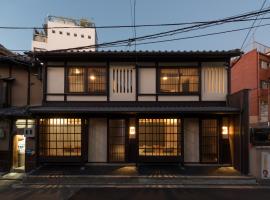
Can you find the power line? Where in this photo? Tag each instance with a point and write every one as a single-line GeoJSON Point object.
{"type": "Point", "coordinates": [175, 31]}
{"type": "Point", "coordinates": [182, 38]}
{"type": "Point", "coordinates": [122, 26]}
{"type": "Point", "coordinates": [252, 25]}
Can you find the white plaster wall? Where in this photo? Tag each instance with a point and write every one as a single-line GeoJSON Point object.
{"type": "Point", "coordinates": [55, 80]}
{"type": "Point", "coordinates": [63, 41]}
{"type": "Point", "coordinates": [191, 140]}
{"type": "Point", "coordinates": [146, 98]}
{"type": "Point", "coordinates": [97, 140]}
{"type": "Point", "coordinates": [214, 82]}
{"type": "Point", "coordinates": [55, 98]}
{"type": "Point", "coordinates": [147, 80]}
{"type": "Point", "coordinates": [86, 98]}
{"type": "Point", "coordinates": [178, 98]}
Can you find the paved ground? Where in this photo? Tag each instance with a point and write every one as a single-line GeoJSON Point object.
{"type": "Point", "coordinates": [137, 171]}
{"type": "Point", "coordinates": [53, 193]}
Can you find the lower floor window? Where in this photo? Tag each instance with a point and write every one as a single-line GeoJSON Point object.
{"type": "Point", "coordinates": [60, 137]}
{"type": "Point", "coordinates": [159, 137]}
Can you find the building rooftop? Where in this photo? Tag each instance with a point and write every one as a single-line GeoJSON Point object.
{"type": "Point", "coordinates": [138, 55]}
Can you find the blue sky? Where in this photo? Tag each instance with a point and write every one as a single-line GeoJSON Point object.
{"type": "Point", "coordinates": [118, 12]}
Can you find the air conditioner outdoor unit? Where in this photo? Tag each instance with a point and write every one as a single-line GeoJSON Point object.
{"type": "Point", "coordinates": [265, 168]}
{"type": "Point", "coordinates": [29, 132]}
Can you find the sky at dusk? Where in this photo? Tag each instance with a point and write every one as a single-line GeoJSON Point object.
{"type": "Point", "coordinates": [118, 12]}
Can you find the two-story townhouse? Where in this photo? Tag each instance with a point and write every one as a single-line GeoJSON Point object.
{"type": "Point", "coordinates": [121, 107]}
{"type": "Point", "coordinates": [20, 87]}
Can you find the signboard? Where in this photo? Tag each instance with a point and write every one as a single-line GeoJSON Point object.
{"type": "Point", "coordinates": [265, 170]}
{"type": "Point", "coordinates": [29, 132]}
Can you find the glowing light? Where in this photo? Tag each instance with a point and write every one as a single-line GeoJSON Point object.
{"type": "Point", "coordinates": [77, 71]}
{"type": "Point", "coordinates": [92, 77]}
{"type": "Point", "coordinates": [165, 78]}
{"type": "Point", "coordinates": [132, 130]}
{"type": "Point", "coordinates": [224, 130]}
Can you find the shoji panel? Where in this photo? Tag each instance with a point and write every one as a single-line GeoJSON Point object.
{"type": "Point", "coordinates": [214, 82]}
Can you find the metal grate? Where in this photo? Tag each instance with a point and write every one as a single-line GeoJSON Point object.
{"type": "Point", "coordinates": [209, 140]}
{"type": "Point", "coordinates": [159, 137]}
{"type": "Point", "coordinates": [60, 137]}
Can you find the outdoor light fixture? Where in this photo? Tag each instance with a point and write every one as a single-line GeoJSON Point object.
{"type": "Point", "coordinates": [225, 132]}
{"type": "Point", "coordinates": [92, 77]}
{"type": "Point", "coordinates": [165, 78]}
{"type": "Point", "coordinates": [132, 130]}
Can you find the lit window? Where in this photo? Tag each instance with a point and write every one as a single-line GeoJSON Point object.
{"type": "Point", "coordinates": [159, 137]}
{"type": "Point", "coordinates": [87, 79]}
{"type": "Point", "coordinates": [60, 137]}
{"type": "Point", "coordinates": [179, 80]}
{"type": "Point", "coordinates": [97, 80]}
{"type": "Point", "coordinates": [76, 79]}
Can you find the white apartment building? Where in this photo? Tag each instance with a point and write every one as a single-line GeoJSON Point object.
{"type": "Point", "coordinates": [56, 35]}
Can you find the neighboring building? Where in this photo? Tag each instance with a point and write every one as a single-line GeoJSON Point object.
{"type": "Point", "coordinates": [122, 107]}
{"type": "Point", "coordinates": [20, 87]}
{"type": "Point", "coordinates": [252, 71]}
{"type": "Point", "coordinates": [53, 37]}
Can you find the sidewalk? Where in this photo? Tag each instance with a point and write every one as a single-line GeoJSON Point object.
{"type": "Point", "coordinates": [143, 175]}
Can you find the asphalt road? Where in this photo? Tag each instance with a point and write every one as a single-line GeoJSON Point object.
{"type": "Point", "coordinates": [54, 193]}
{"type": "Point", "coordinates": [172, 193]}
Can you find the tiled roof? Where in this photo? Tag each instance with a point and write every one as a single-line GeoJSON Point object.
{"type": "Point", "coordinates": [13, 111]}
{"type": "Point", "coordinates": [139, 51]}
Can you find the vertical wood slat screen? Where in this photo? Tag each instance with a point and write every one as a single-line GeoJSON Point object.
{"type": "Point", "coordinates": [122, 80]}
{"type": "Point", "coordinates": [209, 141]}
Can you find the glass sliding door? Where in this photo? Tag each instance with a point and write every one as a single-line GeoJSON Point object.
{"type": "Point", "coordinates": [159, 138]}
{"type": "Point", "coordinates": [209, 141]}
{"type": "Point", "coordinates": [117, 140]}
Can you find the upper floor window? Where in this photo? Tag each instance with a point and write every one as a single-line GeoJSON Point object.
{"type": "Point", "coordinates": [179, 80]}
{"type": "Point", "coordinates": [91, 80]}
{"type": "Point", "coordinates": [264, 64]}
{"type": "Point", "coordinates": [76, 76]}
{"type": "Point", "coordinates": [97, 80]}
{"type": "Point", "coordinates": [264, 84]}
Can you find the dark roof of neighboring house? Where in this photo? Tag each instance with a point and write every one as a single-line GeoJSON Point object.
{"type": "Point", "coordinates": [134, 54]}
{"type": "Point", "coordinates": [4, 51]}
{"type": "Point", "coordinates": [13, 111]}
{"type": "Point", "coordinates": [8, 56]}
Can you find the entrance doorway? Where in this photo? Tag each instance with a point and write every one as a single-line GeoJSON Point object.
{"type": "Point", "coordinates": [117, 140]}
{"type": "Point", "coordinates": [18, 156]}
